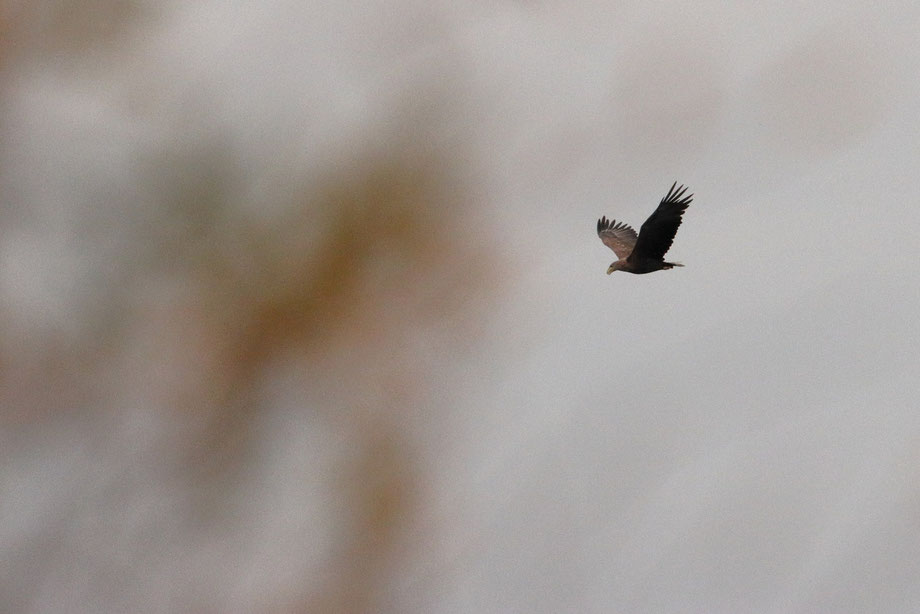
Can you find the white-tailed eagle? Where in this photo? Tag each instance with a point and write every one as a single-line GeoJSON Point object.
{"type": "Point", "coordinates": [645, 253]}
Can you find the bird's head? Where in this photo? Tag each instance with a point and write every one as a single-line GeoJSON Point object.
{"type": "Point", "coordinates": [615, 266]}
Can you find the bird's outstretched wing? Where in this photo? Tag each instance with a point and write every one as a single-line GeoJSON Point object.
{"type": "Point", "coordinates": [617, 236]}
{"type": "Point", "coordinates": [657, 233]}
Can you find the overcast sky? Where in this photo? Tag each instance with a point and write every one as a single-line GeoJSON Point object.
{"type": "Point", "coordinates": [738, 435]}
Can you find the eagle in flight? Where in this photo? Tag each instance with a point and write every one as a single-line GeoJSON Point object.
{"type": "Point", "coordinates": [645, 253]}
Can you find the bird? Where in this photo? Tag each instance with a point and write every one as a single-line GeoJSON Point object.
{"type": "Point", "coordinates": [644, 253]}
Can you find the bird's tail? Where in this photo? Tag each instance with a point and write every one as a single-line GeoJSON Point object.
{"type": "Point", "coordinates": [671, 265]}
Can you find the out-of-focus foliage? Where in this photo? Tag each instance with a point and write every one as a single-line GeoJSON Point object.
{"type": "Point", "coordinates": [186, 328]}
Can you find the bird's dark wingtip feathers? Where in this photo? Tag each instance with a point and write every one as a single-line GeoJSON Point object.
{"type": "Point", "coordinates": [677, 196]}
{"type": "Point", "coordinates": [604, 224]}
{"type": "Point", "coordinates": [671, 191]}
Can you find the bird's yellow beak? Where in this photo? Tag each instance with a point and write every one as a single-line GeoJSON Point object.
{"type": "Point", "coordinates": [610, 269]}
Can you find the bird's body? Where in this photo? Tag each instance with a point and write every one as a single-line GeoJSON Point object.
{"type": "Point", "coordinates": [644, 253]}
{"type": "Point", "coordinates": [645, 265]}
